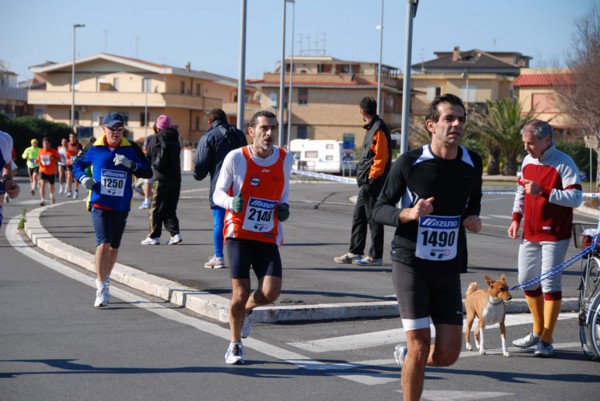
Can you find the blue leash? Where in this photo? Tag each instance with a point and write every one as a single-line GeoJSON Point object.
{"type": "Point", "coordinates": [559, 268]}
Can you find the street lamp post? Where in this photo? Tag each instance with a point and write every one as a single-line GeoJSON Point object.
{"type": "Point", "coordinates": [75, 26]}
{"type": "Point", "coordinates": [289, 122]}
{"type": "Point", "coordinates": [467, 91]}
{"type": "Point", "coordinates": [146, 107]}
{"type": "Point", "coordinates": [379, 68]}
{"type": "Point", "coordinates": [411, 12]}
{"type": "Point", "coordinates": [241, 98]}
{"type": "Point", "coordinates": [282, 77]}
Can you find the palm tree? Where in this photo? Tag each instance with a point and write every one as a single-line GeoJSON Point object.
{"type": "Point", "coordinates": [500, 126]}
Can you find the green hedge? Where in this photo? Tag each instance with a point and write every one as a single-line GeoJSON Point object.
{"type": "Point", "coordinates": [581, 156]}
{"type": "Point", "coordinates": [24, 129]}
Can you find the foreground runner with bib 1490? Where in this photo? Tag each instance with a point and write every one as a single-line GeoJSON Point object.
{"type": "Point", "coordinates": [439, 190]}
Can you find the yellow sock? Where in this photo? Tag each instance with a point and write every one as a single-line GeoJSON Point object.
{"type": "Point", "coordinates": [551, 312]}
{"type": "Point", "coordinates": [536, 306]}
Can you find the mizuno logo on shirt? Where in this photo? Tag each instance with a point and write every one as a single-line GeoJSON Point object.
{"type": "Point", "coordinates": [439, 223]}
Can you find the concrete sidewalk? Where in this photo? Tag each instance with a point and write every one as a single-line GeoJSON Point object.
{"type": "Point", "coordinates": [176, 273]}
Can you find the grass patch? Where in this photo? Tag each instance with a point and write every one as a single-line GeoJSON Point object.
{"type": "Point", "coordinates": [22, 219]}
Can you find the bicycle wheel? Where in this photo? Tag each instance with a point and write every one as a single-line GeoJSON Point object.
{"type": "Point", "coordinates": [591, 280]}
{"type": "Point", "coordinates": [588, 291]}
{"type": "Point", "coordinates": [589, 332]}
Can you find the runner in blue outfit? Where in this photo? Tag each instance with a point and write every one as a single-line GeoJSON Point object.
{"type": "Point", "coordinates": [114, 160]}
{"type": "Point", "coordinates": [7, 185]}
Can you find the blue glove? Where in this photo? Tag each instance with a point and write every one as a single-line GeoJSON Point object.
{"type": "Point", "coordinates": [238, 203]}
{"type": "Point", "coordinates": [283, 212]}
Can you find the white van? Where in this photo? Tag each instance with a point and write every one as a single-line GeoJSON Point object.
{"type": "Point", "coordinates": [322, 156]}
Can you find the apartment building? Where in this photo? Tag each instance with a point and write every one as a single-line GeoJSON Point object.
{"type": "Point", "coordinates": [536, 89]}
{"type": "Point", "coordinates": [138, 89]}
{"type": "Point", "coordinates": [13, 99]}
{"type": "Point", "coordinates": [325, 95]}
{"type": "Point", "coordinates": [474, 75]}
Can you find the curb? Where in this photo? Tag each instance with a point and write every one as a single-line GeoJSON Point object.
{"type": "Point", "coordinates": [217, 307]}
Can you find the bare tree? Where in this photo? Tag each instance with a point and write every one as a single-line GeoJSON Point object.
{"type": "Point", "coordinates": [578, 94]}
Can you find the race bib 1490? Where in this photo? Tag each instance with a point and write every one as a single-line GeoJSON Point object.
{"type": "Point", "coordinates": [437, 237]}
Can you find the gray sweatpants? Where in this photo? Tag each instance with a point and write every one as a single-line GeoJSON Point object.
{"type": "Point", "coordinates": [537, 258]}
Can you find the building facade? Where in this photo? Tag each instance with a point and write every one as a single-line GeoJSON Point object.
{"type": "Point", "coordinates": [138, 89]}
{"type": "Point", "coordinates": [13, 99]}
{"type": "Point", "coordinates": [325, 95]}
{"type": "Point", "coordinates": [475, 76]}
{"type": "Point", "coordinates": [537, 91]}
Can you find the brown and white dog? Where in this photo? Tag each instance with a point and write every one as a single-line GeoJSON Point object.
{"type": "Point", "coordinates": [488, 307]}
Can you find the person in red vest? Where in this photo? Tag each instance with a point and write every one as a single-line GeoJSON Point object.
{"type": "Point", "coordinates": [253, 187]}
{"type": "Point", "coordinates": [48, 159]}
{"type": "Point", "coordinates": [74, 147]}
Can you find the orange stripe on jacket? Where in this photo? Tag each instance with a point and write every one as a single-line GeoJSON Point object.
{"type": "Point", "coordinates": [381, 149]}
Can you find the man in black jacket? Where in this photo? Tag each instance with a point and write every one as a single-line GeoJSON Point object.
{"type": "Point", "coordinates": [163, 153]}
{"type": "Point", "coordinates": [220, 139]}
{"type": "Point", "coordinates": [373, 167]}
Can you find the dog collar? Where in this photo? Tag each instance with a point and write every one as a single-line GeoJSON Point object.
{"type": "Point", "coordinates": [494, 302]}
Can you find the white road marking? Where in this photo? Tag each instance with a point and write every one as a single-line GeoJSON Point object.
{"type": "Point", "coordinates": [501, 216]}
{"type": "Point", "coordinates": [441, 395]}
{"type": "Point", "coordinates": [394, 336]}
{"type": "Point", "coordinates": [333, 369]}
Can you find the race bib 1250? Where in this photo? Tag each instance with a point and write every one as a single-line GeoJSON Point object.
{"type": "Point", "coordinates": [113, 182]}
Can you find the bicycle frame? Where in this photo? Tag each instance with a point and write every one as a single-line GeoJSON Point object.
{"type": "Point", "coordinates": [589, 296]}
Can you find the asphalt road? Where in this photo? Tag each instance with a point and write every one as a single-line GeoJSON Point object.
{"type": "Point", "coordinates": [56, 346]}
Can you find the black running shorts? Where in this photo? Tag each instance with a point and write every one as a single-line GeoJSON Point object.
{"type": "Point", "coordinates": [428, 291]}
{"type": "Point", "coordinates": [263, 257]}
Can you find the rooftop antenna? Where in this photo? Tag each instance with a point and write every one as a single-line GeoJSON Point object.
{"type": "Point", "coordinates": [300, 51]}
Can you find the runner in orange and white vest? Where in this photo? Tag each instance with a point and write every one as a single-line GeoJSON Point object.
{"type": "Point", "coordinates": [74, 147]}
{"type": "Point", "coordinates": [253, 187]}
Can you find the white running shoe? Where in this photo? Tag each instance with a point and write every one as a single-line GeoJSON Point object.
{"type": "Point", "coordinates": [102, 294]}
{"type": "Point", "coordinates": [69, 194]}
{"type": "Point", "coordinates": [235, 354]}
{"type": "Point", "coordinates": [151, 241]}
{"type": "Point", "coordinates": [214, 263]}
{"type": "Point", "coordinates": [145, 205]}
{"type": "Point", "coordinates": [347, 258]}
{"type": "Point", "coordinates": [175, 239]}
{"type": "Point", "coordinates": [75, 195]}
{"type": "Point", "coordinates": [400, 354]}
{"type": "Point", "coordinates": [369, 261]}
{"type": "Point", "coordinates": [529, 340]}
{"type": "Point", "coordinates": [544, 350]}
{"type": "Point", "coordinates": [247, 327]}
